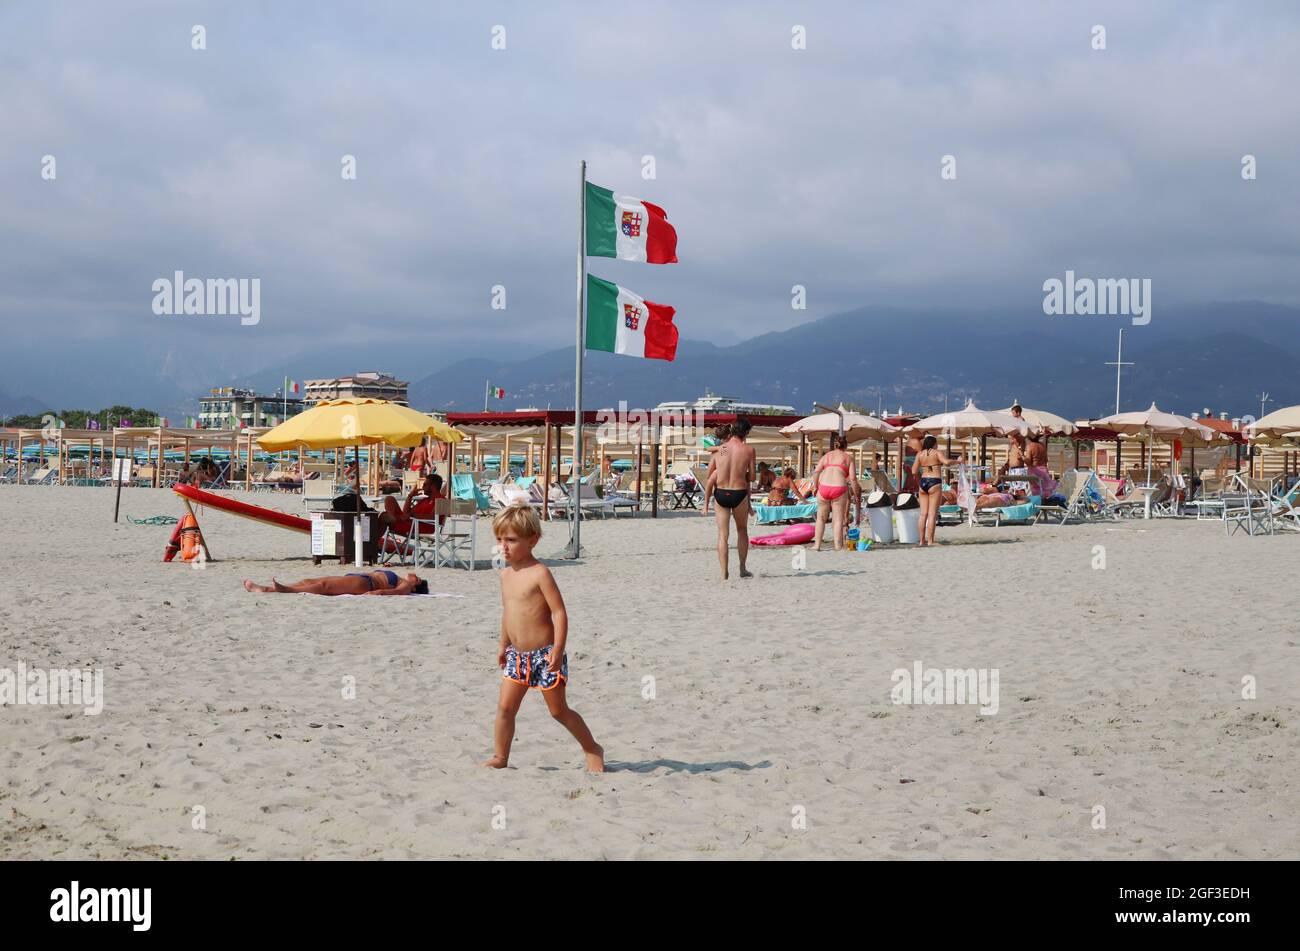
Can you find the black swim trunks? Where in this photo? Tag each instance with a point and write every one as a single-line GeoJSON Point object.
{"type": "Point", "coordinates": [729, 498]}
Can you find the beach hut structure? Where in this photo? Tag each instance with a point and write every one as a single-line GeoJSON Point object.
{"type": "Point", "coordinates": [650, 442]}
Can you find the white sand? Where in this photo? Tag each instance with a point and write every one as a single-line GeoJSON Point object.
{"type": "Point", "coordinates": [771, 694]}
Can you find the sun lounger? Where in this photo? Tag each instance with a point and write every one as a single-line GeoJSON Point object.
{"type": "Point", "coordinates": [464, 486]}
{"type": "Point", "coordinates": [1247, 512]}
{"type": "Point", "coordinates": [1286, 509]}
{"type": "Point", "coordinates": [774, 514]}
{"type": "Point", "coordinates": [1026, 513]}
{"type": "Point", "coordinates": [880, 480]}
{"type": "Point", "coordinates": [504, 494]}
{"type": "Point", "coordinates": [317, 494]}
{"type": "Point", "coordinates": [562, 499]}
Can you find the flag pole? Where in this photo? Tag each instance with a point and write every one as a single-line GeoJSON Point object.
{"type": "Point", "coordinates": [575, 545]}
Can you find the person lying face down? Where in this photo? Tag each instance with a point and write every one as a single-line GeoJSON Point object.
{"type": "Point", "coordinates": [365, 582]}
{"type": "Point", "coordinates": [990, 498]}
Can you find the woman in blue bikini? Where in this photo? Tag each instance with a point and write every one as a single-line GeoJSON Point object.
{"type": "Point", "coordinates": [369, 582]}
{"type": "Point", "coordinates": [929, 466]}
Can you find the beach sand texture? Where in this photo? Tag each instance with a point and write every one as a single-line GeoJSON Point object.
{"type": "Point", "coordinates": [770, 734]}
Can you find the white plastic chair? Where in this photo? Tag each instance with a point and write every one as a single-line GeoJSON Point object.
{"type": "Point", "coordinates": [456, 533]}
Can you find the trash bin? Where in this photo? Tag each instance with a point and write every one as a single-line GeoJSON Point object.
{"type": "Point", "coordinates": [907, 518]}
{"type": "Point", "coordinates": [880, 515]}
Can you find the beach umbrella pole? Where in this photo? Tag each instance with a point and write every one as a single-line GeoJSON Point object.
{"type": "Point", "coordinates": [356, 529]}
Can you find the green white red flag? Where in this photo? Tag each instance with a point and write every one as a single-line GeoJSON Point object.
{"type": "Point", "coordinates": [619, 226]}
{"type": "Point", "coordinates": [619, 321]}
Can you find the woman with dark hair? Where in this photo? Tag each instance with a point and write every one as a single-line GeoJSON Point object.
{"type": "Point", "coordinates": [361, 582]}
{"type": "Point", "coordinates": [783, 488]}
{"type": "Point", "coordinates": [832, 480]}
{"type": "Point", "coordinates": [929, 468]}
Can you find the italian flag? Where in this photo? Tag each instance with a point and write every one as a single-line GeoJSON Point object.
{"type": "Point", "coordinates": [619, 321]}
{"type": "Point", "coordinates": [619, 226]}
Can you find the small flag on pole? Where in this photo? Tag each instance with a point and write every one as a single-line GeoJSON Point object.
{"type": "Point", "coordinates": [499, 393]}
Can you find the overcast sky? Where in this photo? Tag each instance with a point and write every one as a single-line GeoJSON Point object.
{"type": "Point", "coordinates": [778, 166]}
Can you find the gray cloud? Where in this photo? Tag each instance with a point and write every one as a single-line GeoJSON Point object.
{"type": "Point", "coordinates": [818, 167]}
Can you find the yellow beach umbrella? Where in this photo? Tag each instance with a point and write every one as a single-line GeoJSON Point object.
{"type": "Point", "coordinates": [357, 422]}
{"type": "Point", "coordinates": [333, 424]}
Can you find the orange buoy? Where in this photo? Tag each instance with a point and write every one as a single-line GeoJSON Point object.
{"type": "Point", "coordinates": [191, 540]}
{"type": "Point", "coordinates": [173, 545]}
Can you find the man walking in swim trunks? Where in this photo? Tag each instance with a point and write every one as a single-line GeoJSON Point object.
{"type": "Point", "coordinates": [731, 471]}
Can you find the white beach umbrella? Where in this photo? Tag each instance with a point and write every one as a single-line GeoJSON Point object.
{"type": "Point", "coordinates": [1153, 422]}
{"type": "Point", "coordinates": [1280, 422]}
{"type": "Point", "coordinates": [1044, 421]}
{"type": "Point", "coordinates": [971, 421]}
{"type": "Point", "coordinates": [854, 425]}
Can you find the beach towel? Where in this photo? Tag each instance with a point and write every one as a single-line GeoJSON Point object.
{"type": "Point", "coordinates": [464, 487]}
{"type": "Point", "coordinates": [431, 594]}
{"type": "Point", "coordinates": [768, 514]}
{"type": "Point", "coordinates": [1047, 484]}
{"type": "Point", "coordinates": [154, 520]}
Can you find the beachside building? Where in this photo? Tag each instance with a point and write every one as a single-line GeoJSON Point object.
{"type": "Point", "coordinates": [369, 384]}
{"type": "Point", "coordinates": [230, 407]}
{"type": "Point", "coordinates": [708, 403]}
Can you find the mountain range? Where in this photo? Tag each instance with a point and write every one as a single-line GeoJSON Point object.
{"type": "Point", "coordinates": [1188, 358]}
{"type": "Point", "coordinates": [1195, 358]}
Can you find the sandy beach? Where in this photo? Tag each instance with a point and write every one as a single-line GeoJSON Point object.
{"type": "Point", "coordinates": [766, 731]}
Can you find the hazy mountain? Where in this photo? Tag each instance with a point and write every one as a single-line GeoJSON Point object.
{"type": "Point", "coordinates": [1186, 359]}
{"type": "Point", "coordinates": [1216, 356]}
{"type": "Point", "coordinates": [15, 405]}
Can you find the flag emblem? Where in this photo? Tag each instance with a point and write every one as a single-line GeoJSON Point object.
{"type": "Point", "coordinates": [631, 316]}
{"type": "Point", "coordinates": [632, 224]}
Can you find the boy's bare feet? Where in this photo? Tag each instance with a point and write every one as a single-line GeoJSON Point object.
{"type": "Point", "coordinates": [746, 573]}
{"type": "Point", "coordinates": [596, 760]}
{"type": "Point", "coordinates": [255, 587]}
{"type": "Point", "coordinates": [495, 762]}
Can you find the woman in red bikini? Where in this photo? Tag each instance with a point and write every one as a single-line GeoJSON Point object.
{"type": "Point", "coordinates": [831, 483]}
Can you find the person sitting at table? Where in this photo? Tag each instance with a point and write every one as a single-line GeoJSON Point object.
{"type": "Point", "coordinates": [782, 487]}
{"type": "Point", "coordinates": [398, 517]}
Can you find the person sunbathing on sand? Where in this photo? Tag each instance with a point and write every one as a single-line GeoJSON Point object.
{"type": "Point", "coordinates": [534, 633]}
{"type": "Point", "coordinates": [370, 582]}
